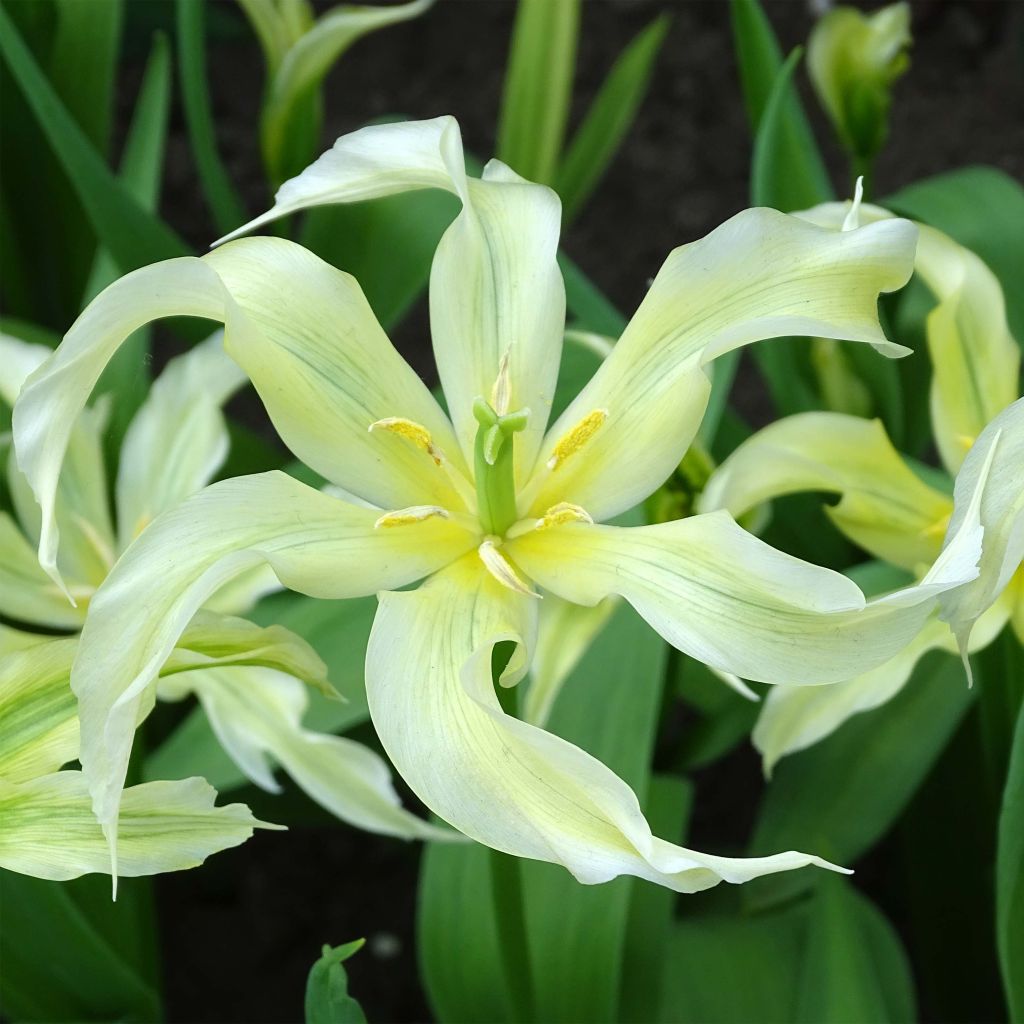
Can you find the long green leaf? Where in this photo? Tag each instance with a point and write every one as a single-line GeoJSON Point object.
{"type": "Point", "coordinates": [791, 141]}
{"type": "Point", "coordinates": [609, 118]}
{"type": "Point", "coordinates": [58, 965]}
{"type": "Point", "coordinates": [854, 967]}
{"type": "Point", "coordinates": [538, 87]}
{"type": "Point", "coordinates": [133, 236]}
{"type": "Point", "coordinates": [1010, 879]}
{"type": "Point", "coordinates": [221, 197]}
{"type": "Point", "coordinates": [839, 797]}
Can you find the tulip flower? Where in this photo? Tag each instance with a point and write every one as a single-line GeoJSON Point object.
{"type": "Point", "coordinates": [885, 507]}
{"type": "Point", "coordinates": [494, 507]}
{"type": "Point", "coordinates": [251, 682]}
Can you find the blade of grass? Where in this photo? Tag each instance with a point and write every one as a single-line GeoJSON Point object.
{"type": "Point", "coordinates": [221, 198]}
{"type": "Point", "coordinates": [609, 118]}
{"type": "Point", "coordinates": [538, 87]}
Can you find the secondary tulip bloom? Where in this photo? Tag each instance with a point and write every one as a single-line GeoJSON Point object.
{"type": "Point", "coordinates": [888, 509]}
{"type": "Point", "coordinates": [251, 682]}
{"type": "Point", "coordinates": [495, 509]}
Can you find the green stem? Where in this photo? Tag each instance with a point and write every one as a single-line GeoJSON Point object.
{"type": "Point", "coordinates": [510, 919]}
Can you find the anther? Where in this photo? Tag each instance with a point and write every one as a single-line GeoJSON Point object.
{"type": "Point", "coordinates": [412, 432]}
{"type": "Point", "coordinates": [408, 516]}
{"type": "Point", "coordinates": [576, 438]}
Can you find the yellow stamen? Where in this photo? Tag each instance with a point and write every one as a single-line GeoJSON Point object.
{"type": "Point", "coordinates": [412, 432]}
{"type": "Point", "coordinates": [501, 569]}
{"type": "Point", "coordinates": [576, 438]}
{"type": "Point", "coordinates": [408, 516]}
{"type": "Point", "coordinates": [563, 512]}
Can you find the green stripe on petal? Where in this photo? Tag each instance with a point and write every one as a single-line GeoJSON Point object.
{"type": "Point", "coordinates": [729, 600]}
{"type": "Point", "coordinates": [495, 287]}
{"type": "Point", "coordinates": [38, 720]}
{"type": "Point", "coordinates": [501, 781]}
{"type": "Point", "coordinates": [48, 830]}
{"type": "Point", "coordinates": [316, 544]}
{"type": "Point", "coordinates": [760, 275]}
{"type": "Point", "coordinates": [884, 506]}
{"type": "Point", "coordinates": [257, 714]}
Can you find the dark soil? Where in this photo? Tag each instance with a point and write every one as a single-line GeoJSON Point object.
{"type": "Point", "coordinates": [240, 934]}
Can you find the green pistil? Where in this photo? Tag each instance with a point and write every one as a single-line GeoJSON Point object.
{"type": "Point", "coordinates": [494, 465]}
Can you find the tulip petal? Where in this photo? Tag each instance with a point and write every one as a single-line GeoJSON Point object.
{"type": "Point", "coordinates": [27, 594]}
{"type": "Point", "coordinates": [884, 506]}
{"type": "Point", "coordinates": [564, 632]}
{"type": "Point", "coordinates": [499, 780]}
{"type": "Point", "coordinates": [18, 359]}
{"type": "Point", "coordinates": [180, 419]}
{"type": "Point", "coordinates": [304, 334]}
{"type": "Point", "coordinates": [760, 275]}
{"type": "Point", "coordinates": [49, 830]}
{"type": "Point", "coordinates": [795, 717]}
{"type": "Point", "coordinates": [731, 601]}
{"type": "Point", "coordinates": [257, 713]}
{"type": "Point", "coordinates": [38, 720]}
{"type": "Point", "coordinates": [975, 360]}
{"type": "Point", "coordinates": [994, 467]}
{"type": "Point", "coordinates": [495, 288]}
{"type": "Point", "coordinates": [316, 544]}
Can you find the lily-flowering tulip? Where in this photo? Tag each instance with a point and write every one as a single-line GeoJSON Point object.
{"type": "Point", "coordinates": [886, 507]}
{"type": "Point", "coordinates": [494, 507]}
{"type": "Point", "coordinates": [251, 682]}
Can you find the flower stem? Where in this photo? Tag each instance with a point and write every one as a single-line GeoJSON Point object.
{"type": "Point", "coordinates": [510, 918]}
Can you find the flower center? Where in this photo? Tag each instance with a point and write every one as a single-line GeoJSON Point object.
{"type": "Point", "coordinates": [494, 465]}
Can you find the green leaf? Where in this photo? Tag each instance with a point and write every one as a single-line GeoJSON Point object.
{"type": "Point", "coordinates": [854, 967]}
{"type": "Point", "coordinates": [62, 963]}
{"type": "Point", "coordinates": [839, 797]}
{"type": "Point", "coordinates": [327, 998]}
{"type": "Point", "coordinates": [538, 87]}
{"type": "Point", "coordinates": [788, 171]}
{"type": "Point", "coordinates": [829, 959]}
{"type": "Point", "coordinates": [224, 203]}
{"type": "Point", "coordinates": [1010, 879]}
{"type": "Point", "coordinates": [590, 310]}
{"type": "Point", "coordinates": [133, 236]}
{"type": "Point", "coordinates": [721, 968]}
{"type": "Point", "coordinates": [338, 632]}
{"type": "Point", "coordinates": [649, 924]}
{"type": "Point", "coordinates": [608, 119]}
{"type": "Point", "coordinates": [83, 63]}
{"type": "Point", "coordinates": [981, 208]}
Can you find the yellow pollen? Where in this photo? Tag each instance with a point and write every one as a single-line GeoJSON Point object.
{"type": "Point", "coordinates": [412, 432]}
{"type": "Point", "coordinates": [563, 512]}
{"type": "Point", "coordinates": [576, 438]}
{"type": "Point", "coordinates": [408, 516]}
{"type": "Point", "coordinates": [502, 570]}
